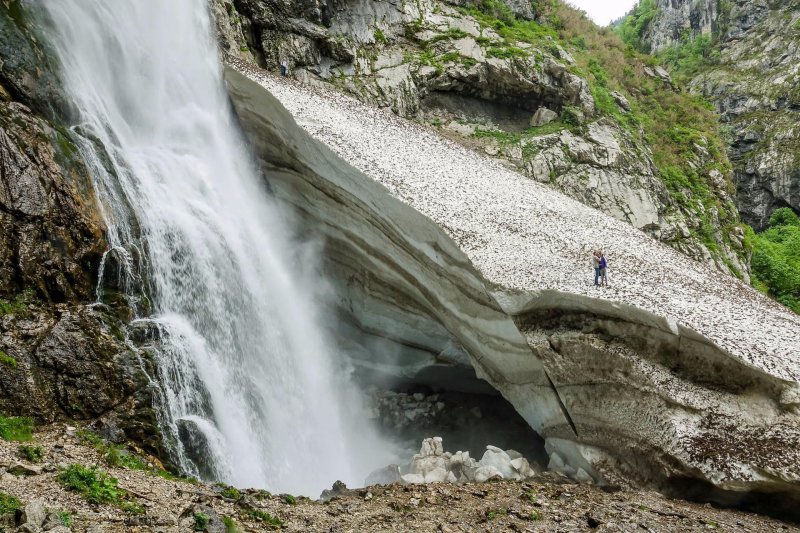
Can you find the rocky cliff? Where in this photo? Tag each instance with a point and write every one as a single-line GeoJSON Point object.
{"type": "Point", "coordinates": [675, 21]}
{"type": "Point", "coordinates": [553, 103]}
{"type": "Point", "coordinates": [747, 67]}
{"type": "Point", "coordinates": [618, 389]}
{"type": "Point", "coordinates": [61, 357]}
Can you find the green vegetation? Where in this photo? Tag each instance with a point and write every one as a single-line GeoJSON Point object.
{"type": "Point", "coordinates": [636, 23]}
{"type": "Point", "coordinates": [502, 137]}
{"type": "Point", "coordinates": [431, 58]}
{"type": "Point", "coordinates": [230, 525]}
{"type": "Point", "coordinates": [507, 52]}
{"type": "Point", "coordinates": [65, 518]}
{"type": "Point", "coordinates": [496, 15]}
{"type": "Point", "coordinates": [232, 493]}
{"type": "Point", "coordinates": [18, 305]}
{"type": "Point", "coordinates": [119, 456]}
{"type": "Point", "coordinates": [7, 360]}
{"type": "Point", "coordinates": [32, 453]}
{"type": "Point", "coordinates": [535, 515]}
{"type": "Point", "coordinates": [96, 486]}
{"type": "Point", "coordinates": [690, 57]}
{"type": "Point", "coordinates": [201, 521]}
{"type": "Point", "coordinates": [8, 503]}
{"type": "Point", "coordinates": [268, 519]}
{"type": "Point", "coordinates": [451, 33]}
{"type": "Point", "coordinates": [16, 428]}
{"type": "Point", "coordinates": [497, 513]}
{"type": "Point", "coordinates": [288, 498]}
{"type": "Point", "coordinates": [380, 37]}
{"type": "Point", "coordinates": [776, 258]}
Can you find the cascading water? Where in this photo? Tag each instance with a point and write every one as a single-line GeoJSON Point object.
{"type": "Point", "coordinates": [243, 361]}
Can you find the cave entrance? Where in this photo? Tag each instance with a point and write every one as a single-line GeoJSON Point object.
{"type": "Point", "coordinates": [412, 402]}
{"type": "Point", "coordinates": [508, 114]}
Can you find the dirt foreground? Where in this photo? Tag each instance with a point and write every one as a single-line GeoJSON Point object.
{"type": "Point", "coordinates": [151, 502]}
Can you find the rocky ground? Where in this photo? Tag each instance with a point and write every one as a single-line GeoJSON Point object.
{"type": "Point", "coordinates": [548, 502]}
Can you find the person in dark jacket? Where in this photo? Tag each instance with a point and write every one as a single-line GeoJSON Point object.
{"type": "Point", "coordinates": [603, 267]}
{"type": "Point", "coordinates": [596, 266]}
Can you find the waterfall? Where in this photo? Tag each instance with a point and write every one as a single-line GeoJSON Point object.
{"type": "Point", "coordinates": [244, 366]}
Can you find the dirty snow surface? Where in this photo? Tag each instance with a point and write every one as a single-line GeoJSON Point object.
{"type": "Point", "coordinates": [525, 236]}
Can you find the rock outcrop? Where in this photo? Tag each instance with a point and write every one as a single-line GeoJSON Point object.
{"type": "Point", "coordinates": [643, 381]}
{"type": "Point", "coordinates": [527, 104]}
{"type": "Point", "coordinates": [754, 85]}
{"type": "Point", "coordinates": [50, 232]}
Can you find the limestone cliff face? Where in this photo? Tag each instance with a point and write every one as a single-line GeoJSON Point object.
{"type": "Point", "coordinates": [678, 19]}
{"type": "Point", "coordinates": [524, 104]}
{"type": "Point", "coordinates": [752, 78]}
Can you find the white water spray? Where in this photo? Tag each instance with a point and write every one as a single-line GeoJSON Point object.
{"type": "Point", "coordinates": [243, 361]}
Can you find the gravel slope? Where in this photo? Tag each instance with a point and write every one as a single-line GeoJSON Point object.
{"type": "Point", "coordinates": [524, 236]}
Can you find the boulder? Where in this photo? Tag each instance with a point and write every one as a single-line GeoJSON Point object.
{"type": "Point", "coordinates": [499, 460]}
{"type": "Point", "coordinates": [414, 479]}
{"type": "Point", "coordinates": [384, 476]}
{"type": "Point", "coordinates": [337, 489]}
{"type": "Point", "coordinates": [487, 473]}
{"type": "Point", "coordinates": [24, 469]}
{"type": "Point", "coordinates": [543, 116]}
{"type": "Point", "coordinates": [34, 514]}
{"type": "Point", "coordinates": [214, 523]}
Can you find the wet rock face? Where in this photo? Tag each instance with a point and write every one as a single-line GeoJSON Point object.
{"type": "Point", "coordinates": [62, 359]}
{"type": "Point", "coordinates": [71, 362]}
{"type": "Point", "coordinates": [27, 72]}
{"type": "Point", "coordinates": [51, 237]}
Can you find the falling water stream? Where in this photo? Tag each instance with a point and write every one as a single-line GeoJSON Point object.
{"type": "Point", "coordinates": [205, 254]}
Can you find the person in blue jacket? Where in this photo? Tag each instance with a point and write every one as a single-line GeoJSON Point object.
{"type": "Point", "coordinates": [603, 267]}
